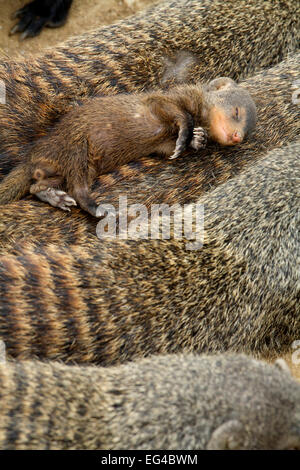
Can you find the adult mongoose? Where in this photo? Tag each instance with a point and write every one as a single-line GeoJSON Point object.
{"type": "Point", "coordinates": [106, 132]}
{"type": "Point", "coordinates": [225, 37]}
{"type": "Point", "coordinates": [164, 402]}
{"type": "Point", "coordinates": [151, 181]}
{"type": "Point", "coordinates": [36, 14]}
{"type": "Point", "coordinates": [110, 301]}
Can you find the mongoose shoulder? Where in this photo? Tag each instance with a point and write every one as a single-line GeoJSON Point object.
{"type": "Point", "coordinates": [107, 132]}
{"type": "Point", "coordinates": [169, 402]}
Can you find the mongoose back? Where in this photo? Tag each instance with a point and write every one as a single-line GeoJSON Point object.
{"type": "Point", "coordinates": [170, 402]}
{"type": "Point", "coordinates": [106, 132]}
{"type": "Point", "coordinates": [110, 301]}
{"type": "Point", "coordinates": [64, 281]}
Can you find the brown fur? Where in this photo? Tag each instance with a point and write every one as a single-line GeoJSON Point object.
{"type": "Point", "coordinates": [75, 292]}
{"type": "Point", "coordinates": [106, 132]}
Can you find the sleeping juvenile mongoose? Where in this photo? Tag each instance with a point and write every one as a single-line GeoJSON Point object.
{"type": "Point", "coordinates": [107, 132]}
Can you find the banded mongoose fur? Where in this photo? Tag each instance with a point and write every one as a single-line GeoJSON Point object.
{"type": "Point", "coordinates": [170, 402]}
{"type": "Point", "coordinates": [38, 82]}
{"type": "Point", "coordinates": [106, 132]}
{"type": "Point", "coordinates": [111, 301]}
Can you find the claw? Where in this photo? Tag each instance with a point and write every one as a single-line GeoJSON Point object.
{"type": "Point", "coordinates": [17, 13]}
{"type": "Point", "coordinates": [199, 138]}
{"type": "Point", "coordinates": [14, 29]}
{"type": "Point", "coordinates": [70, 201]}
{"type": "Point", "coordinates": [37, 14]}
{"type": "Point", "coordinates": [24, 35]}
{"type": "Point", "coordinates": [174, 155]}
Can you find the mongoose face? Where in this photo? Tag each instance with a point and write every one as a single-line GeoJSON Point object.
{"type": "Point", "coordinates": [227, 128]}
{"type": "Point", "coordinates": [232, 112]}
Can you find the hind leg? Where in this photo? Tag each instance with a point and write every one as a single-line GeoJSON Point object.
{"type": "Point", "coordinates": [47, 188]}
{"type": "Point", "coordinates": [82, 195]}
{"type": "Point", "coordinates": [39, 13]}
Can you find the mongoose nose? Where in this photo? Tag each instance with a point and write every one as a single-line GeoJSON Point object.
{"type": "Point", "coordinates": [236, 137]}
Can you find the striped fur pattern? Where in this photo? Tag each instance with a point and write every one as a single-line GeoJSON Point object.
{"type": "Point", "coordinates": [113, 301]}
{"type": "Point", "coordinates": [157, 181]}
{"type": "Point", "coordinates": [171, 402]}
{"type": "Point", "coordinates": [67, 296]}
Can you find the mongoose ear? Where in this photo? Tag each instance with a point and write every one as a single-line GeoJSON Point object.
{"type": "Point", "coordinates": [282, 365]}
{"type": "Point", "coordinates": [228, 436]}
{"type": "Point", "coordinates": [221, 83]}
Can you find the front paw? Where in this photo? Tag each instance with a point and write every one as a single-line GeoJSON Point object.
{"type": "Point", "coordinates": [199, 139]}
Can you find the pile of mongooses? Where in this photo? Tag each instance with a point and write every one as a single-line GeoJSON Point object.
{"type": "Point", "coordinates": [169, 402]}
{"type": "Point", "coordinates": [65, 282]}
{"type": "Point", "coordinates": [225, 38]}
{"type": "Point", "coordinates": [183, 180]}
{"type": "Point", "coordinates": [107, 302]}
{"type": "Point", "coordinates": [107, 132]}
{"type": "Point", "coordinates": [110, 301]}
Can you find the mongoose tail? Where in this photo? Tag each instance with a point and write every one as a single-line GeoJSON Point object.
{"type": "Point", "coordinates": [16, 184]}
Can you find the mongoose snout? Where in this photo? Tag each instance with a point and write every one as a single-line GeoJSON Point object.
{"type": "Point", "coordinates": [232, 112]}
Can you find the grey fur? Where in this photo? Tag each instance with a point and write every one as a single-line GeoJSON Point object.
{"type": "Point", "coordinates": [168, 402]}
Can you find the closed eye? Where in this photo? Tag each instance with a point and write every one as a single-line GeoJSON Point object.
{"type": "Point", "coordinates": [236, 113]}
